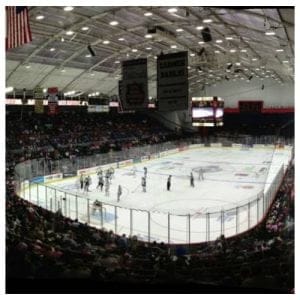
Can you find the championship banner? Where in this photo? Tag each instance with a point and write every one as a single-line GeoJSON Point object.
{"type": "Point", "coordinates": [52, 100]}
{"type": "Point", "coordinates": [134, 86]}
{"type": "Point", "coordinates": [38, 95]}
{"type": "Point", "coordinates": [172, 81]}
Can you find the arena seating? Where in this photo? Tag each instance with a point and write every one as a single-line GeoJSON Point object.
{"type": "Point", "coordinates": [41, 244]}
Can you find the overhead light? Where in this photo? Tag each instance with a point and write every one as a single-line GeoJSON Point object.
{"type": "Point", "coordinates": [254, 59]}
{"type": "Point", "coordinates": [229, 38]}
{"type": "Point", "coordinates": [113, 23]}
{"type": "Point", "coordinates": [9, 89]}
{"type": "Point", "coordinates": [189, 67]}
{"type": "Point", "coordinates": [207, 20]}
{"type": "Point", "coordinates": [68, 8]}
{"type": "Point", "coordinates": [85, 28]}
{"type": "Point", "coordinates": [179, 29]}
{"type": "Point", "coordinates": [148, 14]}
{"type": "Point", "coordinates": [45, 90]}
{"type": "Point", "coordinates": [192, 54]}
{"type": "Point", "coordinates": [148, 36]}
{"type": "Point", "coordinates": [232, 50]}
{"type": "Point", "coordinates": [219, 41]}
{"type": "Point", "coordinates": [217, 51]}
{"type": "Point", "coordinates": [172, 10]}
{"type": "Point", "coordinates": [92, 74]}
{"type": "Point", "coordinates": [148, 48]}
{"type": "Point", "coordinates": [243, 50]}
{"type": "Point", "coordinates": [237, 63]}
{"type": "Point", "coordinates": [155, 57]}
{"type": "Point", "coordinates": [270, 33]}
{"type": "Point", "coordinates": [62, 39]}
{"type": "Point", "coordinates": [134, 50]}
{"type": "Point", "coordinates": [257, 69]}
{"type": "Point", "coordinates": [106, 42]}
{"type": "Point", "coordinates": [201, 42]}
{"type": "Point", "coordinates": [121, 39]}
{"type": "Point", "coordinates": [246, 69]}
{"type": "Point", "coordinates": [199, 27]}
{"type": "Point", "coordinates": [63, 70]}
{"type": "Point", "coordinates": [69, 32]}
{"type": "Point", "coordinates": [97, 93]}
{"type": "Point", "coordinates": [117, 62]}
{"type": "Point", "coordinates": [52, 49]}
{"type": "Point", "coordinates": [173, 46]}
{"type": "Point", "coordinates": [27, 67]}
{"type": "Point", "coordinates": [39, 17]}
{"type": "Point", "coordinates": [285, 61]}
{"type": "Point", "coordinates": [279, 50]}
{"type": "Point", "coordinates": [88, 55]}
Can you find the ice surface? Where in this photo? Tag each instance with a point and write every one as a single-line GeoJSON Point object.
{"type": "Point", "coordinates": [232, 177]}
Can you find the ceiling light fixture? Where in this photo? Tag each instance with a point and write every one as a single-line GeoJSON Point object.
{"type": "Point", "coordinates": [219, 41]}
{"type": "Point", "coordinates": [229, 38]}
{"type": "Point", "coordinates": [134, 50]}
{"type": "Point", "coordinates": [217, 51]}
{"type": "Point", "coordinates": [88, 55]}
{"type": "Point", "coordinates": [39, 17]}
{"type": "Point", "coordinates": [270, 33]}
{"type": "Point", "coordinates": [68, 8]}
{"type": "Point", "coordinates": [199, 27]}
{"type": "Point", "coordinates": [232, 50]}
{"type": "Point", "coordinates": [279, 50]}
{"type": "Point", "coordinates": [117, 62]}
{"type": "Point", "coordinates": [285, 61]}
{"type": "Point", "coordinates": [179, 29]}
{"type": "Point", "coordinates": [85, 28]}
{"type": "Point", "coordinates": [192, 54]}
{"type": "Point", "coordinates": [121, 39]}
{"type": "Point", "coordinates": [69, 32]}
{"type": "Point", "coordinates": [148, 48]}
{"type": "Point", "coordinates": [207, 20]}
{"type": "Point", "coordinates": [106, 42]}
{"type": "Point", "coordinates": [113, 23]}
{"type": "Point", "coordinates": [173, 46]}
{"type": "Point", "coordinates": [172, 10]}
{"type": "Point", "coordinates": [148, 14]}
{"type": "Point", "coordinates": [52, 49]}
{"type": "Point", "coordinates": [148, 36]}
{"type": "Point", "coordinates": [254, 59]}
{"type": "Point", "coordinates": [244, 50]}
{"type": "Point", "coordinates": [201, 42]}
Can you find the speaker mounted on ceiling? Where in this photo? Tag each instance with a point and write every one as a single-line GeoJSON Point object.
{"type": "Point", "coordinates": [206, 35]}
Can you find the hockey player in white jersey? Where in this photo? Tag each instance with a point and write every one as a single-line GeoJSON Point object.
{"type": "Point", "coordinates": [201, 177]}
{"type": "Point", "coordinates": [119, 192]}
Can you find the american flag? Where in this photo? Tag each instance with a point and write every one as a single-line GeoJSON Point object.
{"type": "Point", "coordinates": [17, 26]}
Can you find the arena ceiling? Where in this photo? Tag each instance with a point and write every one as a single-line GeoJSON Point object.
{"type": "Point", "coordinates": [248, 42]}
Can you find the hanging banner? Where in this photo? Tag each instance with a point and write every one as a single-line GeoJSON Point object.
{"type": "Point", "coordinates": [172, 81]}
{"type": "Point", "coordinates": [52, 100]}
{"type": "Point", "coordinates": [38, 95]}
{"type": "Point", "coordinates": [134, 86]}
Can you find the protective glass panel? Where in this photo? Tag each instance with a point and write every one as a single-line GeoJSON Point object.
{"type": "Point", "coordinates": [178, 229]}
{"type": "Point", "coordinates": [214, 226]}
{"type": "Point", "coordinates": [140, 224]}
{"type": "Point", "coordinates": [159, 227]}
{"type": "Point", "coordinates": [243, 218]}
{"type": "Point", "coordinates": [230, 222]}
{"type": "Point", "coordinates": [198, 228]}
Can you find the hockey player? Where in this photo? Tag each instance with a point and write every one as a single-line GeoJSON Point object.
{"type": "Point", "coordinates": [134, 171]}
{"type": "Point", "coordinates": [201, 177]}
{"type": "Point", "coordinates": [144, 184]}
{"type": "Point", "coordinates": [96, 205]}
{"type": "Point", "coordinates": [119, 192]}
{"type": "Point", "coordinates": [169, 183]}
{"type": "Point", "coordinates": [81, 181]}
{"type": "Point", "coordinates": [107, 175]}
{"type": "Point", "coordinates": [100, 182]}
{"type": "Point", "coordinates": [111, 172]}
{"type": "Point", "coordinates": [145, 172]}
{"type": "Point", "coordinates": [192, 179]}
{"type": "Point", "coordinates": [100, 173]}
{"type": "Point", "coordinates": [107, 187]}
{"type": "Point", "coordinates": [86, 184]}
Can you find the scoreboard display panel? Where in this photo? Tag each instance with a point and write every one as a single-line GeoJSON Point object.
{"type": "Point", "coordinates": [207, 111]}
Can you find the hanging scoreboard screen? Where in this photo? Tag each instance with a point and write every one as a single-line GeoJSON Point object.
{"type": "Point", "coordinates": [172, 81]}
{"type": "Point", "coordinates": [207, 111]}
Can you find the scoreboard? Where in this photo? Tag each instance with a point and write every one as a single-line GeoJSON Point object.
{"type": "Point", "coordinates": [207, 111]}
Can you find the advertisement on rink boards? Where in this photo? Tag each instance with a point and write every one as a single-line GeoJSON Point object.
{"type": "Point", "coordinates": [134, 86]}
{"type": "Point", "coordinates": [125, 163]}
{"type": "Point", "coordinates": [96, 169]}
{"type": "Point", "coordinates": [172, 81]}
{"type": "Point", "coordinates": [53, 177]}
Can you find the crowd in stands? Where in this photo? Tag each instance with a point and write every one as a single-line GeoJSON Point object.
{"type": "Point", "coordinates": [42, 244]}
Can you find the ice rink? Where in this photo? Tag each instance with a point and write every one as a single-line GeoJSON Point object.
{"type": "Point", "coordinates": [232, 177]}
